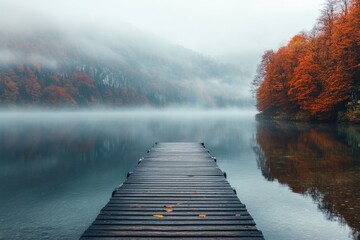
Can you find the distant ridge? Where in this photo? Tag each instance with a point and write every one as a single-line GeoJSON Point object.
{"type": "Point", "coordinates": [58, 68]}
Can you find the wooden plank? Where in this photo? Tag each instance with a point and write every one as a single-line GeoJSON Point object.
{"type": "Point", "coordinates": [177, 183]}
{"type": "Point", "coordinates": [182, 206]}
{"type": "Point", "coordinates": [172, 195]}
{"type": "Point", "coordinates": [175, 234]}
{"type": "Point", "coordinates": [180, 184]}
{"type": "Point", "coordinates": [189, 213]}
{"type": "Point", "coordinates": [165, 222]}
{"type": "Point", "coordinates": [186, 185]}
{"type": "Point", "coordinates": [190, 191]}
{"type": "Point", "coordinates": [142, 217]}
{"type": "Point", "coordinates": [171, 238]}
{"type": "Point", "coordinates": [173, 202]}
{"type": "Point", "coordinates": [177, 209]}
{"type": "Point", "coordinates": [174, 228]}
{"type": "Point", "coordinates": [176, 191]}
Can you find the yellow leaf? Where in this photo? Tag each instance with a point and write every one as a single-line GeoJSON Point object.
{"type": "Point", "coordinates": [158, 216]}
{"type": "Point", "coordinates": [202, 215]}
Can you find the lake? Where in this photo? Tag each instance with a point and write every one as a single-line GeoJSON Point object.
{"type": "Point", "coordinates": [58, 169]}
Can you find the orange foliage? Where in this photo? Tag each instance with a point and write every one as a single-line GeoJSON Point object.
{"type": "Point", "coordinates": [316, 73]}
{"type": "Point", "coordinates": [57, 96]}
{"type": "Point", "coordinates": [8, 90]}
{"type": "Point", "coordinates": [85, 86]}
{"type": "Point", "coordinates": [312, 160]}
{"type": "Point", "coordinates": [32, 86]}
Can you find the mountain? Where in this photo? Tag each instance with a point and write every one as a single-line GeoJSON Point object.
{"type": "Point", "coordinates": [123, 67]}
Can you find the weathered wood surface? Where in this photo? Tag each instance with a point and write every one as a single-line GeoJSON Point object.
{"type": "Point", "coordinates": [177, 191]}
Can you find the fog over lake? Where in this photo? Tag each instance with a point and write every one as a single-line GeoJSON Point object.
{"type": "Point", "coordinates": [87, 87]}
{"type": "Point", "coordinates": [59, 169]}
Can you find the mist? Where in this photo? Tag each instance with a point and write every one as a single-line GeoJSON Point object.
{"type": "Point", "coordinates": [87, 86]}
{"type": "Point", "coordinates": [200, 53]}
{"type": "Point", "coordinates": [212, 27]}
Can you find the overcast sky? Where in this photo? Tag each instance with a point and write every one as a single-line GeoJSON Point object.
{"type": "Point", "coordinates": [213, 27]}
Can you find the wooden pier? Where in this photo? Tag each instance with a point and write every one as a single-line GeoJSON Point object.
{"type": "Point", "coordinates": [177, 191]}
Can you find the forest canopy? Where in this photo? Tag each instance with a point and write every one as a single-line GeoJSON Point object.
{"type": "Point", "coordinates": [316, 76]}
{"type": "Point", "coordinates": [58, 68]}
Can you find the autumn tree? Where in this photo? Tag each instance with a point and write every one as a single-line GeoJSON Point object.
{"type": "Point", "coordinates": [9, 91]}
{"type": "Point", "coordinates": [278, 74]}
{"type": "Point", "coordinates": [261, 71]}
{"type": "Point", "coordinates": [32, 86]}
{"type": "Point", "coordinates": [352, 48]}
{"type": "Point", "coordinates": [86, 88]}
{"type": "Point", "coordinates": [316, 73]}
{"type": "Point", "coordinates": [57, 96]}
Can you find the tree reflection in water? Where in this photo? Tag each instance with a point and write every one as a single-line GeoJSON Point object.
{"type": "Point", "coordinates": [318, 160]}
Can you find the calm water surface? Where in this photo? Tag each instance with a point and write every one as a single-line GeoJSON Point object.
{"type": "Point", "coordinates": [57, 170]}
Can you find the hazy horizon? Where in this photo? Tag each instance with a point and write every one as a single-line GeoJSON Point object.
{"type": "Point", "coordinates": [170, 51]}
{"type": "Point", "coordinates": [221, 29]}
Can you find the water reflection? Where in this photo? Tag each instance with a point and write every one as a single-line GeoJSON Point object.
{"type": "Point", "coordinates": [321, 161]}
{"type": "Point", "coordinates": [58, 170]}
{"type": "Point", "coordinates": [55, 173]}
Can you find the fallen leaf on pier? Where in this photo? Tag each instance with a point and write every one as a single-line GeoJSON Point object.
{"type": "Point", "coordinates": [202, 215]}
{"type": "Point", "coordinates": [158, 216]}
{"type": "Point", "coordinates": [168, 210]}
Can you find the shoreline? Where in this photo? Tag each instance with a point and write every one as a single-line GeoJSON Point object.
{"type": "Point", "coordinates": [301, 117]}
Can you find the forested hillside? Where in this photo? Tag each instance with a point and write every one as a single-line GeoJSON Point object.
{"type": "Point", "coordinates": [57, 68]}
{"type": "Point", "coordinates": [316, 76]}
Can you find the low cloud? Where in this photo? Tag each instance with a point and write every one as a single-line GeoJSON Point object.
{"type": "Point", "coordinates": [11, 57]}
